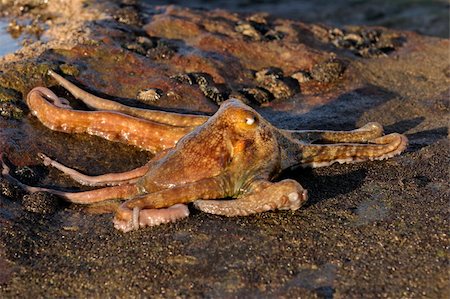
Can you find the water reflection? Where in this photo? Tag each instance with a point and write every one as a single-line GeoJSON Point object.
{"type": "Point", "coordinates": [8, 44]}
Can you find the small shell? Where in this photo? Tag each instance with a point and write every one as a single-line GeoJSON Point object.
{"type": "Point", "coordinates": [257, 94]}
{"type": "Point", "coordinates": [149, 95]}
{"type": "Point", "coordinates": [302, 76]}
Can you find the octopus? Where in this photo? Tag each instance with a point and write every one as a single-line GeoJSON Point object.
{"type": "Point", "coordinates": [225, 164]}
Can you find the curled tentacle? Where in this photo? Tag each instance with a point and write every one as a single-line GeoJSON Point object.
{"type": "Point", "coordinates": [139, 218]}
{"type": "Point", "coordinates": [285, 195]}
{"type": "Point", "coordinates": [50, 95]}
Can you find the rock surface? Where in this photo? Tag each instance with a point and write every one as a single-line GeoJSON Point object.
{"type": "Point", "coordinates": [375, 229]}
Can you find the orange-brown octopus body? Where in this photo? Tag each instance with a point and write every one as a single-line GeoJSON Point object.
{"type": "Point", "coordinates": [233, 154]}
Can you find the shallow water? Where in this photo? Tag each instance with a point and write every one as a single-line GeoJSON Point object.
{"type": "Point", "coordinates": [8, 44]}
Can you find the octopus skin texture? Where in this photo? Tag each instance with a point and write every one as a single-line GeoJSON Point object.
{"type": "Point", "coordinates": [233, 154]}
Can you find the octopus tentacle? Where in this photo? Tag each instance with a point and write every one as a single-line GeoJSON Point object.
{"type": "Point", "coordinates": [145, 134]}
{"type": "Point", "coordinates": [368, 132]}
{"type": "Point", "coordinates": [98, 103]}
{"type": "Point", "coordinates": [98, 195]}
{"type": "Point", "coordinates": [50, 95]}
{"type": "Point", "coordinates": [318, 155]}
{"type": "Point", "coordinates": [206, 188]}
{"type": "Point", "coordinates": [152, 217]}
{"type": "Point", "coordinates": [126, 218]}
{"type": "Point", "coordinates": [84, 197]}
{"type": "Point", "coordinates": [284, 195]}
{"type": "Point", "coordinates": [109, 179]}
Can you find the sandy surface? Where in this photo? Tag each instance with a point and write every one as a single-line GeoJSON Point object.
{"type": "Point", "coordinates": [375, 229]}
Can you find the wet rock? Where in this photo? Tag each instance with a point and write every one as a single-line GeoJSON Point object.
{"type": "Point", "coordinates": [217, 93]}
{"type": "Point", "coordinates": [367, 43]}
{"type": "Point", "coordinates": [257, 94]}
{"type": "Point", "coordinates": [273, 80]}
{"type": "Point", "coordinates": [269, 73]}
{"type": "Point", "coordinates": [136, 47]}
{"type": "Point", "coordinates": [128, 16]}
{"type": "Point", "coordinates": [69, 69]}
{"type": "Point", "coordinates": [33, 30]}
{"type": "Point", "coordinates": [128, 13]}
{"type": "Point", "coordinates": [27, 174]}
{"type": "Point", "coordinates": [184, 78]}
{"type": "Point", "coordinates": [143, 45]}
{"type": "Point", "coordinates": [10, 110]}
{"type": "Point", "coordinates": [163, 50]}
{"type": "Point", "coordinates": [238, 94]}
{"type": "Point", "coordinates": [10, 105]}
{"type": "Point", "coordinates": [152, 47]}
{"type": "Point", "coordinates": [7, 95]}
{"type": "Point", "coordinates": [21, 77]}
{"type": "Point", "coordinates": [328, 71]}
{"type": "Point", "coordinates": [146, 42]}
{"type": "Point", "coordinates": [21, 7]}
{"type": "Point", "coordinates": [251, 43]}
{"type": "Point", "coordinates": [9, 190]}
{"type": "Point", "coordinates": [257, 28]}
{"type": "Point", "coordinates": [41, 203]}
{"type": "Point", "coordinates": [248, 30]}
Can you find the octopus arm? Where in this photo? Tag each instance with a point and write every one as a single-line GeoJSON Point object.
{"type": "Point", "coordinates": [366, 133]}
{"type": "Point", "coordinates": [151, 209]}
{"type": "Point", "coordinates": [84, 197]}
{"type": "Point", "coordinates": [115, 126]}
{"type": "Point", "coordinates": [318, 155]}
{"type": "Point", "coordinates": [283, 195]}
{"type": "Point", "coordinates": [109, 179]}
{"type": "Point", "coordinates": [98, 103]}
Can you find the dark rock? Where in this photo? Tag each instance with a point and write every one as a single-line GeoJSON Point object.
{"type": "Point", "coordinates": [367, 43]}
{"type": "Point", "coordinates": [273, 80]}
{"type": "Point", "coordinates": [128, 15]}
{"type": "Point", "coordinates": [162, 51]}
{"type": "Point", "coordinates": [69, 69]}
{"type": "Point", "coordinates": [28, 175]}
{"type": "Point", "coordinates": [217, 93]}
{"type": "Point", "coordinates": [328, 71]}
{"type": "Point", "coordinates": [10, 110]}
{"type": "Point", "coordinates": [9, 190]}
{"type": "Point", "coordinates": [41, 203]}
{"type": "Point", "coordinates": [10, 105]}
{"type": "Point", "coordinates": [257, 94]}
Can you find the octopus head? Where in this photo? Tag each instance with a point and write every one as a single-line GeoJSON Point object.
{"type": "Point", "coordinates": [248, 131]}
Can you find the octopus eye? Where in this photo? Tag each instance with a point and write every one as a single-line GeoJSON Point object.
{"type": "Point", "coordinates": [250, 121]}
